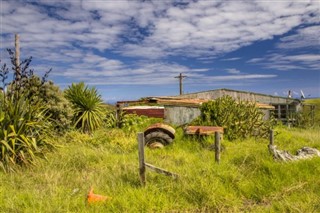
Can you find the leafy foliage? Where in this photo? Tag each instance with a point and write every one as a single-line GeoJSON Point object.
{"type": "Point", "coordinates": [58, 107]}
{"type": "Point", "coordinates": [39, 90]}
{"type": "Point", "coordinates": [128, 122]}
{"type": "Point", "coordinates": [239, 119]}
{"type": "Point", "coordinates": [24, 122]}
{"type": "Point", "coordinates": [309, 115]}
{"type": "Point", "coordinates": [87, 105]}
{"type": "Point", "coordinates": [23, 130]}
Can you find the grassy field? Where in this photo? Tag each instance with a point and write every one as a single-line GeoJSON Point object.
{"type": "Point", "coordinates": [246, 180]}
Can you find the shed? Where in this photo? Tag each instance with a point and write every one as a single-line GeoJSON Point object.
{"type": "Point", "coordinates": [183, 109]}
{"type": "Point", "coordinates": [284, 107]}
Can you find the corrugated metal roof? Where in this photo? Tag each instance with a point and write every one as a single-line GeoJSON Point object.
{"type": "Point", "coordinates": [174, 101]}
{"type": "Point", "coordinates": [240, 91]}
{"type": "Point", "coordinates": [143, 107]}
{"type": "Point", "coordinates": [192, 102]}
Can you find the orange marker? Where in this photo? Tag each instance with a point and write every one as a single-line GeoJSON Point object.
{"type": "Point", "coordinates": [95, 198]}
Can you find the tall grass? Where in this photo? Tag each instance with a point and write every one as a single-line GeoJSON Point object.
{"type": "Point", "coordinates": [316, 103]}
{"type": "Point", "coordinates": [246, 180]}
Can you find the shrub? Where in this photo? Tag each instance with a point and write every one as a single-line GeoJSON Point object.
{"type": "Point", "coordinates": [309, 115]}
{"type": "Point", "coordinates": [58, 107]}
{"type": "Point", "coordinates": [37, 89]}
{"type": "Point", "coordinates": [24, 123]}
{"type": "Point", "coordinates": [240, 119]}
{"type": "Point", "coordinates": [87, 105]}
{"type": "Point", "coordinates": [129, 122]}
{"type": "Point", "coordinates": [23, 131]}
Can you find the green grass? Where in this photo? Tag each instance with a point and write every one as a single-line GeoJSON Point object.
{"type": "Point", "coordinates": [316, 102]}
{"type": "Point", "coordinates": [246, 180]}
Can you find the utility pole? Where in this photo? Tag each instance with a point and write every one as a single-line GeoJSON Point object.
{"type": "Point", "coordinates": [17, 57]}
{"type": "Point", "coordinates": [181, 77]}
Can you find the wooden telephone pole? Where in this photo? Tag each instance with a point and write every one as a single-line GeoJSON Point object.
{"type": "Point", "coordinates": [17, 57]}
{"type": "Point", "coordinates": [181, 77]}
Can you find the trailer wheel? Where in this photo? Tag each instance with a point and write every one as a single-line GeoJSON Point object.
{"type": "Point", "coordinates": [157, 139]}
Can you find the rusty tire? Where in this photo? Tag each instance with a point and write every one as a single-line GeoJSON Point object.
{"type": "Point", "coordinates": [157, 137]}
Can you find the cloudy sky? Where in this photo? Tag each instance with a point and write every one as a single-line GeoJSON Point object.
{"type": "Point", "coordinates": [130, 48]}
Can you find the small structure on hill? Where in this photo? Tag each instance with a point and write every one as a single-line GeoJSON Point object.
{"type": "Point", "coordinates": [184, 108]}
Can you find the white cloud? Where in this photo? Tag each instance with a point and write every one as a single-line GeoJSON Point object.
{"type": "Point", "coordinates": [288, 62]}
{"type": "Point", "coordinates": [233, 71]}
{"type": "Point", "coordinates": [304, 37]}
{"type": "Point", "coordinates": [74, 35]}
{"type": "Point", "coordinates": [199, 29]}
{"type": "Point", "coordinates": [231, 59]}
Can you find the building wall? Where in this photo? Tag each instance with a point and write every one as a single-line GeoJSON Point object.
{"type": "Point", "coordinates": [179, 115]}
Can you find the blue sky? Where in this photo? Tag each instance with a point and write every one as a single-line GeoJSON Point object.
{"type": "Point", "coordinates": [130, 49]}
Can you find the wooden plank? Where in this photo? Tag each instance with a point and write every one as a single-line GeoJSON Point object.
{"type": "Point", "coordinates": [203, 130]}
{"type": "Point", "coordinates": [161, 171]}
{"type": "Point", "coordinates": [142, 167]}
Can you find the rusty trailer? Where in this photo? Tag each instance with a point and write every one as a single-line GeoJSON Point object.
{"type": "Point", "coordinates": [202, 130]}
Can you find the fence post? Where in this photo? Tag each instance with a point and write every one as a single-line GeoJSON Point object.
{"type": "Point", "coordinates": [217, 147]}
{"type": "Point", "coordinates": [271, 136]}
{"type": "Point", "coordinates": [271, 143]}
{"type": "Point", "coordinates": [142, 166]}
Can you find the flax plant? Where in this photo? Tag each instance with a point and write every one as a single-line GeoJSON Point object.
{"type": "Point", "coordinates": [87, 105]}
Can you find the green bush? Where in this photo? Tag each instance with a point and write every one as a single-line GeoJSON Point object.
{"type": "Point", "coordinates": [128, 122]}
{"type": "Point", "coordinates": [309, 115]}
{"type": "Point", "coordinates": [240, 119]}
{"type": "Point", "coordinates": [87, 105]}
{"type": "Point", "coordinates": [24, 122]}
{"type": "Point", "coordinates": [23, 131]}
{"type": "Point", "coordinates": [58, 107]}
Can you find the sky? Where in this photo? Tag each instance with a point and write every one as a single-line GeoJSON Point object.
{"type": "Point", "coordinates": [130, 49]}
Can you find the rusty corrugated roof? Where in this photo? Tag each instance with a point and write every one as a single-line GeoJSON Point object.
{"type": "Point", "coordinates": [178, 101]}
{"type": "Point", "coordinates": [191, 102]}
{"type": "Point", "coordinates": [174, 101]}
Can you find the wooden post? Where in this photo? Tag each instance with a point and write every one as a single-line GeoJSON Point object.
{"type": "Point", "coordinates": [17, 57]}
{"type": "Point", "coordinates": [279, 112]}
{"type": "Point", "coordinates": [271, 137]}
{"type": "Point", "coordinates": [271, 144]}
{"type": "Point", "coordinates": [142, 165]}
{"type": "Point", "coordinates": [217, 146]}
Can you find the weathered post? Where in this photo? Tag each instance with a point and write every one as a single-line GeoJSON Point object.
{"type": "Point", "coordinates": [271, 137]}
{"type": "Point", "coordinates": [271, 143]}
{"type": "Point", "coordinates": [17, 57]}
{"type": "Point", "coordinates": [217, 146]}
{"type": "Point", "coordinates": [142, 165]}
